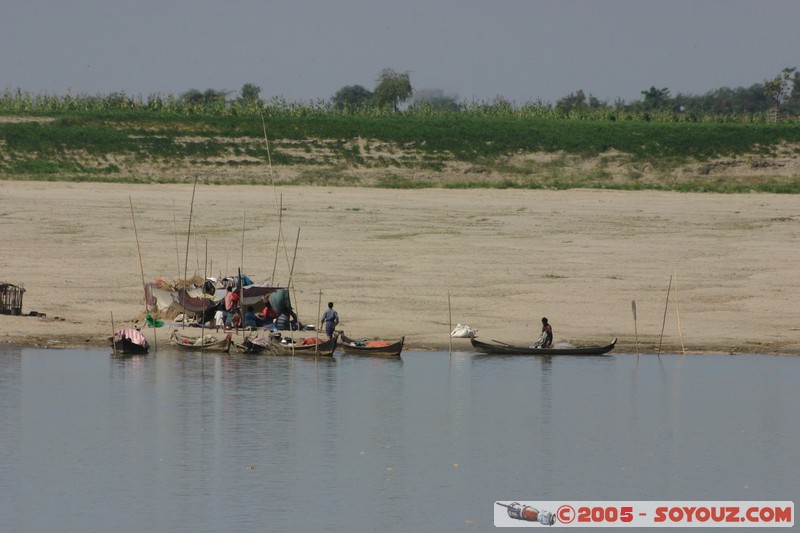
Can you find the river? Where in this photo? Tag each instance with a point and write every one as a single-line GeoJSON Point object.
{"type": "Point", "coordinates": [178, 442]}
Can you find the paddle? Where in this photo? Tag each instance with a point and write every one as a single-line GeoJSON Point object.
{"type": "Point", "coordinates": [504, 343]}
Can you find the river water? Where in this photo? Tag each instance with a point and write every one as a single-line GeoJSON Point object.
{"type": "Point", "coordinates": [176, 442]}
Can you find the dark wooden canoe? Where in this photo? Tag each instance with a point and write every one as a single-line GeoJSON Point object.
{"type": "Point", "coordinates": [498, 348]}
{"type": "Point", "coordinates": [129, 341]}
{"type": "Point", "coordinates": [353, 347]}
{"type": "Point", "coordinates": [266, 346]}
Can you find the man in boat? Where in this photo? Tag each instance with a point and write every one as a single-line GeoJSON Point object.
{"type": "Point", "coordinates": [330, 319]}
{"type": "Point", "coordinates": [546, 338]}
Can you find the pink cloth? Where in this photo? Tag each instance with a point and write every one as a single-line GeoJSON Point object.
{"type": "Point", "coordinates": [133, 334]}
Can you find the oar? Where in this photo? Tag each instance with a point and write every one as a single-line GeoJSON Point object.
{"type": "Point", "coordinates": [504, 343]}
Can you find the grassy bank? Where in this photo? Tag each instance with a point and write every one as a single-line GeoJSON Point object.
{"type": "Point", "coordinates": [464, 150]}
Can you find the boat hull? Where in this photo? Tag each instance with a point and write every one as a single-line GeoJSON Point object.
{"type": "Point", "coordinates": [210, 343]}
{"type": "Point", "coordinates": [351, 347]}
{"type": "Point", "coordinates": [496, 348]}
{"type": "Point", "coordinates": [266, 347]}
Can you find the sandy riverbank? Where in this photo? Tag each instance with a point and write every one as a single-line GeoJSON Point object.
{"type": "Point", "coordinates": [388, 259]}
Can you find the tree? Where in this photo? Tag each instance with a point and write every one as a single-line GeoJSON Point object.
{"type": "Point", "coordinates": [655, 98]}
{"type": "Point", "coordinates": [351, 97]}
{"type": "Point", "coordinates": [210, 96]}
{"type": "Point", "coordinates": [779, 88]}
{"type": "Point", "coordinates": [435, 99]}
{"type": "Point", "coordinates": [573, 101]}
{"type": "Point", "coordinates": [393, 88]}
{"type": "Point", "coordinates": [250, 92]}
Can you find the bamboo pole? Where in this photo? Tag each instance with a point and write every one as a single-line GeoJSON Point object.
{"type": "Point", "coordinates": [289, 287]}
{"type": "Point", "coordinates": [278, 205]}
{"type": "Point", "coordinates": [665, 317]}
{"type": "Point", "coordinates": [319, 310]}
{"type": "Point", "coordinates": [205, 301]}
{"type": "Point", "coordinates": [635, 328]}
{"type": "Point", "coordinates": [177, 254]}
{"type": "Point", "coordinates": [241, 303]}
{"type": "Point", "coordinates": [113, 334]}
{"type": "Point", "coordinates": [678, 313]}
{"type": "Point", "coordinates": [141, 268]}
{"type": "Point", "coordinates": [186, 260]}
{"type": "Point", "coordinates": [449, 323]}
{"type": "Point", "coordinates": [241, 260]}
{"type": "Point", "coordinates": [278, 242]}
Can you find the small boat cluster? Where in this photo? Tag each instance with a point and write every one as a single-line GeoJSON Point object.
{"type": "Point", "coordinates": [130, 341]}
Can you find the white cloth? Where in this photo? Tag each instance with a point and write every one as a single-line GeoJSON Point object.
{"type": "Point", "coordinates": [462, 332]}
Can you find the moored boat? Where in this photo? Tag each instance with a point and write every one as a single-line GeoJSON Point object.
{"type": "Point", "coordinates": [129, 341]}
{"type": "Point", "coordinates": [375, 348]}
{"type": "Point", "coordinates": [207, 343]}
{"type": "Point", "coordinates": [308, 347]}
{"type": "Point", "coordinates": [500, 348]}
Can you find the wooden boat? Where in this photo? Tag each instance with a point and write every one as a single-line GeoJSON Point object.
{"type": "Point", "coordinates": [499, 348]}
{"type": "Point", "coordinates": [129, 341]}
{"type": "Point", "coordinates": [374, 348]}
{"type": "Point", "coordinates": [206, 343]}
{"type": "Point", "coordinates": [303, 347]}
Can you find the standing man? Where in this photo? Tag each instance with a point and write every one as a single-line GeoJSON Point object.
{"type": "Point", "coordinates": [231, 305]}
{"type": "Point", "coordinates": [330, 319]}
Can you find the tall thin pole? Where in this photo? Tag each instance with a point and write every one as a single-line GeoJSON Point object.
{"type": "Point", "coordinates": [665, 317]}
{"type": "Point", "coordinates": [241, 261]}
{"type": "Point", "coordinates": [678, 313]}
{"type": "Point", "coordinates": [294, 257]}
{"type": "Point", "coordinates": [449, 322]}
{"type": "Point", "coordinates": [205, 301]}
{"type": "Point", "coordinates": [141, 268]}
{"type": "Point", "coordinates": [177, 254]}
{"type": "Point", "coordinates": [113, 334]}
{"type": "Point", "coordinates": [279, 206]}
{"type": "Point", "coordinates": [635, 328]}
{"type": "Point", "coordinates": [319, 311]}
{"type": "Point", "coordinates": [186, 260]}
{"type": "Point", "coordinates": [278, 242]}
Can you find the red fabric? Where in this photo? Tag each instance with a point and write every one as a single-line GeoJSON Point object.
{"type": "Point", "coordinates": [377, 344]}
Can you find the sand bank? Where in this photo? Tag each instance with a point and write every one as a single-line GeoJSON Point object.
{"type": "Point", "coordinates": [390, 258]}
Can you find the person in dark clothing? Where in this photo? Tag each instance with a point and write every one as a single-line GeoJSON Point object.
{"type": "Point", "coordinates": [250, 319]}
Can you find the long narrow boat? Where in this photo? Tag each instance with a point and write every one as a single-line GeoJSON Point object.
{"type": "Point", "coordinates": [129, 341]}
{"type": "Point", "coordinates": [373, 348]}
{"type": "Point", "coordinates": [206, 343]}
{"type": "Point", "coordinates": [305, 347]}
{"type": "Point", "coordinates": [499, 348]}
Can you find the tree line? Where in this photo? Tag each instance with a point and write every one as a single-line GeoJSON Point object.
{"type": "Point", "coordinates": [774, 98]}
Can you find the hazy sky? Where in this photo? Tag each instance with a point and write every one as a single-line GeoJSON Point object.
{"type": "Point", "coordinates": [472, 49]}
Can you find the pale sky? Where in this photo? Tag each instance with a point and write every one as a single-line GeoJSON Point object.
{"type": "Point", "coordinates": [472, 49]}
